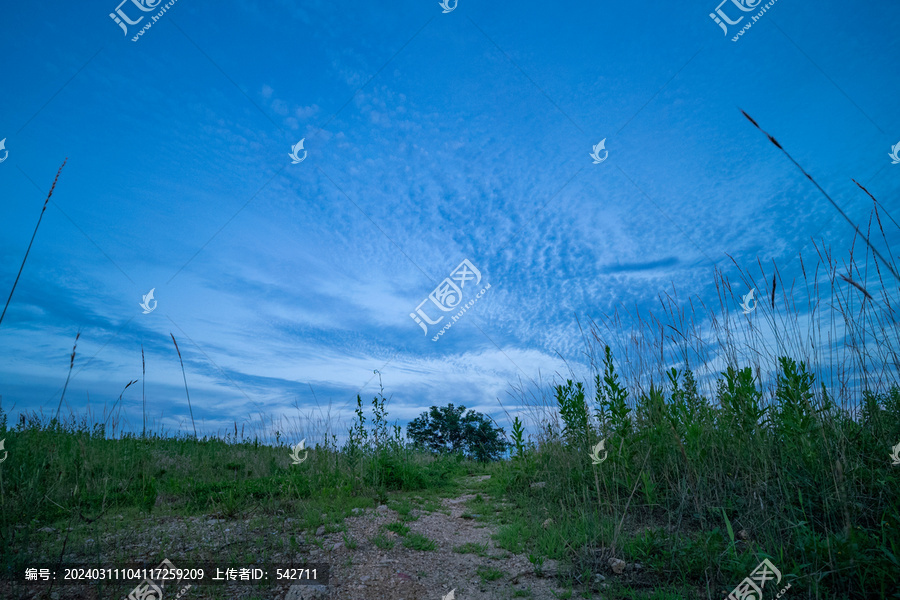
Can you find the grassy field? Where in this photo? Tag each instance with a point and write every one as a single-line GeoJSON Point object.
{"type": "Point", "coordinates": [697, 492]}
{"type": "Point", "coordinates": [70, 494]}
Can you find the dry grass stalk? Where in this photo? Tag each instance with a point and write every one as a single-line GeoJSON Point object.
{"type": "Point", "coordinates": [185, 384]}
{"type": "Point", "coordinates": [22, 266]}
{"type": "Point", "coordinates": [71, 365]}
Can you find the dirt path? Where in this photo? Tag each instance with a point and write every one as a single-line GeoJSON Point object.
{"type": "Point", "coordinates": [400, 573]}
{"type": "Point", "coordinates": [428, 552]}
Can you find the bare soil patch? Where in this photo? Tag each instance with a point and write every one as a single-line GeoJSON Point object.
{"type": "Point", "coordinates": [402, 573]}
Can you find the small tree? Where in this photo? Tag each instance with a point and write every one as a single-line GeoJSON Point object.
{"type": "Point", "coordinates": [450, 429]}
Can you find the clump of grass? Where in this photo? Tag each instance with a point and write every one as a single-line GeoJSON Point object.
{"type": "Point", "coordinates": [404, 509]}
{"type": "Point", "coordinates": [417, 541]}
{"type": "Point", "coordinates": [383, 542]}
{"type": "Point", "coordinates": [472, 548]}
{"type": "Point", "coordinates": [489, 574]}
{"type": "Point", "coordinates": [398, 528]}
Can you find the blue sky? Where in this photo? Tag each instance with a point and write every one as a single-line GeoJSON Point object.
{"type": "Point", "coordinates": [431, 138]}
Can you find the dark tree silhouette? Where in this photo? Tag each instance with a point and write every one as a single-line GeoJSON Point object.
{"type": "Point", "coordinates": [450, 429]}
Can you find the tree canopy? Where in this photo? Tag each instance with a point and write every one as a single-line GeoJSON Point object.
{"type": "Point", "coordinates": [450, 429]}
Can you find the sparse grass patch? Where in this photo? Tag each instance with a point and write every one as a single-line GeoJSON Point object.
{"type": "Point", "coordinates": [417, 541]}
{"type": "Point", "coordinates": [489, 574]}
{"type": "Point", "coordinates": [398, 528]}
{"type": "Point", "coordinates": [472, 548]}
{"type": "Point", "coordinates": [512, 537]}
{"type": "Point", "coordinates": [383, 542]}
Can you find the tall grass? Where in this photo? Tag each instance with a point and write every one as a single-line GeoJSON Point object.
{"type": "Point", "coordinates": [731, 437]}
{"type": "Point", "coordinates": [33, 235]}
{"type": "Point", "coordinates": [186, 392]}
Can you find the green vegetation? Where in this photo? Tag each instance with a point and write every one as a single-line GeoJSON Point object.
{"type": "Point", "coordinates": [472, 548]}
{"type": "Point", "coordinates": [417, 541]}
{"type": "Point", "coordinates": [383, 542]}
{"type": "Point", "coordinates": [687, 488]}
{"type": "Point", "coordinates": [704, 473]}
{"type": "Point", "coordinates": [398, 528]}
{"type": "Point", "coordinates": [65, 485]}
{"type": "Point", "coordinates": [490, 573]}
{"type": "Point", "coordinates": [451, 429]}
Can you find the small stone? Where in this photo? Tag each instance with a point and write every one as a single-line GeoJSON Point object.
{"type": "Point", "coordinates": [539, 484]}
{"type": "Point", "coordinates": [382, 508]}
{"type": "Point", "coordinates": [742, 534]}
{"type": "Point", "coordinates": [599, 577]}
{"type": "Point", "coordinates": [319, 532]}
{"type": "Point", "coordinates": [638, 566]}
{"type": "Point", "coordinates": [46, 530]}
{"type": "Point", "coordinates": [546, 524]}
{"type": "Point", "coordinates": [337, 546]}
{"type": "Point", "coordinates": [617, 565]}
